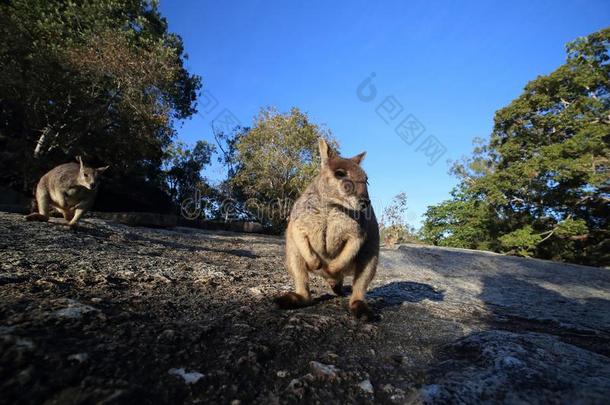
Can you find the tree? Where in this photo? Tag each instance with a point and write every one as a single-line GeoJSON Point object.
{"type": "Point", "coordinates": [184, 167]}
{"type": "Point", "coordinates": [463, 222]}
{"type": "Point", "coordinates": [274, 161]}
{"type": "Point", "coordinates": [541, 185]}
{"type": "Point", "coordinates": [394, 227]}
{"type": "Point", "coordinates": [102, 79]}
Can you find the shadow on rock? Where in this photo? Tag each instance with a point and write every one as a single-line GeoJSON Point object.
{"type": "Point", "coordinates": [537, 346]}
{"type": "Point", "coordinates": [397, 292]}
{"type": "Point", "coordinates": [520, 305]}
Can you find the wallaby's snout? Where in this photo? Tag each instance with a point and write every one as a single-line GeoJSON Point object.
{"type": "Point", "coordinates": [364, 203]}
{"type": "Point", "coordinates": [363, 194]}
{"type": "Point", "coordinates": [89, 177]}
{"type": "Point", "coordinates": [356, 191]}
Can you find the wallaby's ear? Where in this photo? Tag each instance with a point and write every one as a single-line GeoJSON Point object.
{"type": "Point", "coordinates": [102, 169]}
{"type": "Point", "coordinates": [324, 151]}
{"type": "Point", "coordinates": [359, 157]}
{"type": "Point", "coordinates": [79, 160]}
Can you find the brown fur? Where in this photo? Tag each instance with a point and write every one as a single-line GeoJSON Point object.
{"type": "Point", "coordinates": [333, 232]}
{"type": "Point", "coordinates": [70, 188]}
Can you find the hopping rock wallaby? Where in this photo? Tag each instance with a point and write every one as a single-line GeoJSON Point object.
{"type": "Point", "coordinates": [332, 231]}
{"type": "Point", "coordinates": [69, 188]}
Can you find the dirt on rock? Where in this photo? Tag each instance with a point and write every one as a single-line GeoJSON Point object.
{"type": "Point", "coordinates": [112, 314]}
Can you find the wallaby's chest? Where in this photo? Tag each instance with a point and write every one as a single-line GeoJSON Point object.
{"type": "Point", "coordinates": [72, 196]}
{"type": "Point", "coordinates": [329, 232]}
{"type": "Point", "coordinates": [76, 194]}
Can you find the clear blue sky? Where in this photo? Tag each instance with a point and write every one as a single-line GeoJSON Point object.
{"type": "Point", "coordinates": [449, 64]}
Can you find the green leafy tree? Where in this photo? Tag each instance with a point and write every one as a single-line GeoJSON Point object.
{"type": "Point", "coordinates": [274, 161]}
{"type": "Point", "coordinates": [103, 79]}
{"type": "Point", "coordinates": [541, 185]}
{"type": "Point", "coordinates": [184, 169]}
{"type": "Point", "coordinates": [522, 241]}
{"type": "Point", "coordinates": [462, 222]}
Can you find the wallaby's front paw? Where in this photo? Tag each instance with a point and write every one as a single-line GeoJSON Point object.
{"type": "Point", "coordinates": [360, 309]}
{"type": "Point", "coordinates": [314, 264]}
{"type": "Point", "coordinates": [291, 300]}
{"type": "Point", "coordinates": [334, 267]}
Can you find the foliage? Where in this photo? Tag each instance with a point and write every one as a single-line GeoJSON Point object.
{"type": "Point", "coordinates": [274, 161]}
{"type": "Point", "coordinates": [102, 79]}
{"type": "Point", "coordinates": [521, 241]}
{"type": "Point", "coordinates": [461, 222]}
{"type": "Point", "coordinates": [184, 167]}
{"type": "Point", "coordinates": [541, 185]}
{"type": "Point", "coordinates": [394, 227]}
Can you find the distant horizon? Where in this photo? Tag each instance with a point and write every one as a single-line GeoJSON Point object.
{"type": "Point", "coordinates": [439, 73]}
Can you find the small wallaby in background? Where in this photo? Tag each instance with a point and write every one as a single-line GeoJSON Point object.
{"type": "Point", "coordinates": [332, 231]}
{"type": "Point", "coordinates": [69, 188]}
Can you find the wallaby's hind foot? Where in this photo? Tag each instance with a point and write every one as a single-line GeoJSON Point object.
{"type": "Point", "coordinates": [36, 217]}
{"type": "Point", "coordinates": [360, 309]}
{"type": "Point", "coordinates": [291, 300]}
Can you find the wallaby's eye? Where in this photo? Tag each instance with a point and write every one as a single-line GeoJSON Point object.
{"type": "Point", "coordinates": [86, 175]}
{"type": "Point", "coordinates": [340, 173]}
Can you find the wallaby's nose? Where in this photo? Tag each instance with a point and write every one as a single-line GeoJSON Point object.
{"type": "Point", "coordinates": [364, 202]}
